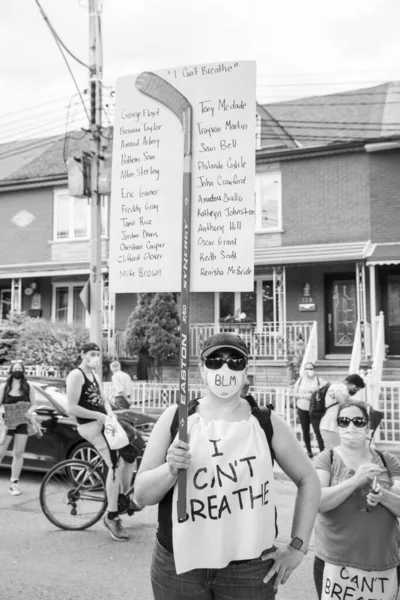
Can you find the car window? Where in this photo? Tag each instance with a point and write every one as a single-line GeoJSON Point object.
{"type": "Point", "coordinates": [42, 399]}
{"type": "Point", "coordinates": [58, 399]}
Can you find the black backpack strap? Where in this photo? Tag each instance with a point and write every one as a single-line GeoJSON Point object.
{"type": "Point", "coordinates": [175, 421]}
{"type": "Point", "coordinates": [382, 457]}
{"type": "Point", "coordinates": [263, 416]}
{"type": "Point", "coordinates": [331, 454]}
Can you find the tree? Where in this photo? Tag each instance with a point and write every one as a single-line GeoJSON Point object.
{"type": "Point", "coordinates": [154, 326]}
{"type": "Point", "coordinates": [10, 331]}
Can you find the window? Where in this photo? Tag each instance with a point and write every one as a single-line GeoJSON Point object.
{"type": "Point", "coordinates": [226, 305]}
{"type": "Point", "coordinates": [248, 304]}
{"type": "Point", "coordinates": [268, 201]}
{"type": "Point", "coordinates": [67, 305]}
{"type": "Point", "coordinates": [72, 216]}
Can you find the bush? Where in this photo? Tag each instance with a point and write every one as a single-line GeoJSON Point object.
{"type": "Point", "coordinates": [42, 342]}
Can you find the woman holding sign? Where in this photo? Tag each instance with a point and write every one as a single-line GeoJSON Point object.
{"type": "Point", "coordinates": [357, 533]}
{"type": "Point", "coordinates": [225, 546]}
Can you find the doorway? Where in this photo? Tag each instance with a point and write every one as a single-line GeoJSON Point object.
{"type": "Point", "coordinates": [341, 312]}
{"type": "Point", "coordinates": [391, 307]}
{"type": "Point", "coordinates": [5, 303]}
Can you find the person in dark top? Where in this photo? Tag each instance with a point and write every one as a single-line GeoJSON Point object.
{"type": "Point", "coordinates": [18, 402]}
{"type": "Point", "coordinates": [87, 403]}
{"type": "Point", "coordinates": [224, 548]}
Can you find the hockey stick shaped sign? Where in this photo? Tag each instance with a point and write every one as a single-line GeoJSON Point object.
{"type": "Point", "coordinates": [159, 89]}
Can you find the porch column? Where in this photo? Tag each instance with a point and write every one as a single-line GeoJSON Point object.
{"type": "Point", "coordinates": [279, 291]}
{"type": "Point", "coordinates": [16, 295]}
{"type": "Point", "coordinates": [372, 300]}
{"type": "Point", "coordinates": [361, 304]}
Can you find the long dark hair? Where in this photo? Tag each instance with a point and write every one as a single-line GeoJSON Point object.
{"type": "Point", "coordinates": [24, 385]}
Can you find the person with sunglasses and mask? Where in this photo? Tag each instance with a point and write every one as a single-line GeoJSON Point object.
{"type": "Point", "coordinates": [301, 391]}
{"type": "Point", "coordinates": [225, 546]}
{"type": "Point", "coordinates": [17, 398]}
{"type": "Point", "coordinates": [357, 535]}
{"type": "Point", "coordinates": [336, 395]}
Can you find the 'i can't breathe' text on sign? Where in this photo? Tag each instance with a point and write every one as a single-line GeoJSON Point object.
{"type": "Point", "coordinates": [146, 201]}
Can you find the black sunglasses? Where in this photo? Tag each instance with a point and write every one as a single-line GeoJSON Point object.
{"type": "Point", "coordinates": [235, 363]}
{"type": "Point", "coordinates": [358, 421]}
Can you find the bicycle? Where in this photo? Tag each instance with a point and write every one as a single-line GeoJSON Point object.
{"type": "Point", "coordinates": [73, 493]}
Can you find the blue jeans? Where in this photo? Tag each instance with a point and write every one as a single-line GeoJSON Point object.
{"type": "Point", "coordinates": [238, 581]}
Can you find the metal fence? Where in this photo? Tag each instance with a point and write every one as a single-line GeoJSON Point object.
{"type": "Point", "coordinates": [155, 397]}
{"type": "Point", "coordinates": [389, 404]}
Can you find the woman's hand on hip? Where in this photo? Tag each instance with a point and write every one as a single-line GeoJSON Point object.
{"type": "Point", "coordinates": [366, 472]}
{"type": "Point", "coordinates": [178, 456]}
{"type": "Point", "coordinates": [286, 560]}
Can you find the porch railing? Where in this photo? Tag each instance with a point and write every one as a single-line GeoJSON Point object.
{"type": "Point", "coordinates": [374, 375]}
{"type": "Point", "coordinates": [275, 341]}
{"type": "Point", "coordinates": [361, 346]}
{"type": "Point", "coordinates": [389, 404]}
{"type": "Point", "coordinates": [155, 397]}
{"type": "Point", "coordinates": [37, 371]}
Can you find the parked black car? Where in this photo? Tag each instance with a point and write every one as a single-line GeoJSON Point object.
{"type": "Point", "coordinates": [60, 438]}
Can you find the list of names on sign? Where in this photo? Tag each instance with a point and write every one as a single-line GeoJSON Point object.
{"type": "Point", "coordinates": [145, 245]}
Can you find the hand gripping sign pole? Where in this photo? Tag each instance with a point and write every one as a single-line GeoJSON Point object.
{"type": "Point", "coordinates": [159, 89]}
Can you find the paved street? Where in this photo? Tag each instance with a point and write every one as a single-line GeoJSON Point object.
{"type": "Point", "coordinates": [39, 561]}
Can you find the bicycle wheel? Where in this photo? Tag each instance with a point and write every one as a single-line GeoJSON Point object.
{"type": "Point", "coordinates": [73, 495]}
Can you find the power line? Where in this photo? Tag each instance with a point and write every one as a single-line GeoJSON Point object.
{"type": "Point", "coordinates": [57, 37]}
{"type": "Point", "coordinates": [14, 112]}
{"type": "Point", "coordinates": [26, 125]}
{"type": "Point", "coordinates": [37, 129]}
{"type": "Point", "coordinates": [64, 57]}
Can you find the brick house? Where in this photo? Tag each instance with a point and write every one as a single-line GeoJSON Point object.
{"type": "Point", "coordinates": [327, 241]}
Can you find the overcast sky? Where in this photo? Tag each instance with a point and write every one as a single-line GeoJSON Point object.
{"type": "Point", "coordinates": [302, 48]}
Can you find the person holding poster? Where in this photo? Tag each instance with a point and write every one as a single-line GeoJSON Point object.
{"type": "Point", "coordinates": [225, 546]}
{"type": "Point", "coordinates": [357, 534]}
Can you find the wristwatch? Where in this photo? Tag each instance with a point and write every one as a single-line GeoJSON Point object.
{"type": "Point", "coordinates": [298, 544]}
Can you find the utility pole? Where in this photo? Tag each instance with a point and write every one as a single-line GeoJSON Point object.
{"type": "Point", "coordinates": [95, 87]}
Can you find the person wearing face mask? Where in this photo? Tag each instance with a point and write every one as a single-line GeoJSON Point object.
{"type": "Point", "coordinates": [87, 403]}
{"type": "Point", "coordinates": [18, 400]}
{"type": "Point", "coordinates": [357, 536]}
{"type": "Point", "coordinates": [225, 546]}
{"type": "Point", "coordinates": [308, 383]}
{"type": "Point", "coordinates": [336, 395]}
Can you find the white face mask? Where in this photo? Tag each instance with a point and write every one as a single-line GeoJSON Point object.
{"type": "Point", "coordinates": [93, 363]}
{"type": "Point", "coordinates": [224, 383]}
{"type": "Point", "coordinates": [352, 437]}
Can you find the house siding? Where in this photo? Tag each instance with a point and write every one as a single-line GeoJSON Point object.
{"type": "Point", "coordinates": [202, 307]}
{"type": "Point", "coordinates": [124, 305]}
{"type": "Point", "coordinates": [26, 245]}
{"type": "Point", "coordinates": [325, 199]}
{"type": "Point", "coordinates": [385, 196]}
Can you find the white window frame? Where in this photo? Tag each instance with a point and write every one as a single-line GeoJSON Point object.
{"type": "Point", "coordinates": [71, 238]}
{"type": "Point", "coordinates": [258, 279]}
{"type": "Point", "coordinates": [70, 311]}
{"type": "Point", "coordinates": [258, 216]}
